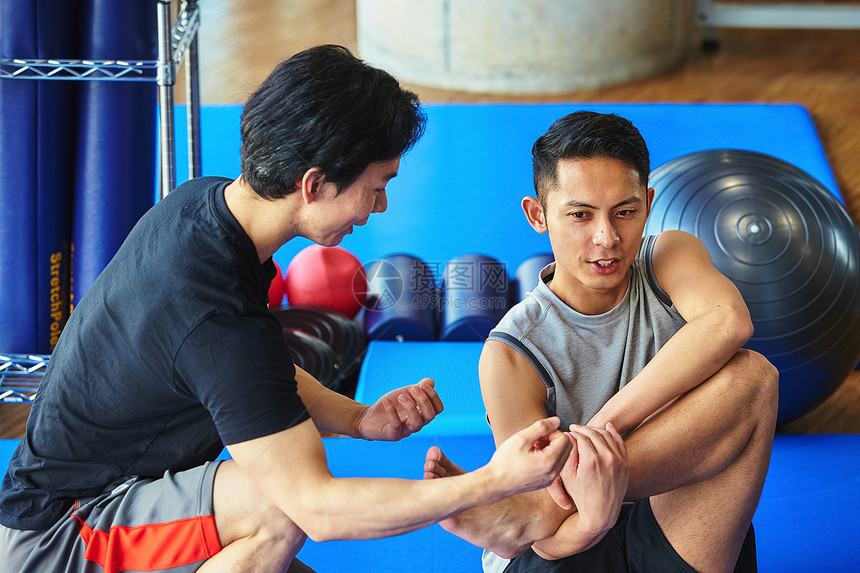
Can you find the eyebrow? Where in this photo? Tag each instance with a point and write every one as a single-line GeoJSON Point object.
{"type": "Point", "coordinates": [575, 203]}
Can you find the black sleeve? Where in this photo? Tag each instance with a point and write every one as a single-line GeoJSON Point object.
{"type": "Point", "coordinates": [241, 371]}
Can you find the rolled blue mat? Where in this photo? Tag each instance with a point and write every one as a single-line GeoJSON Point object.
{"type": "Point", "coordinates": [116, 138]}
{"type": "Point", "coordinates": [37, 170]}
{"type": "Point", "coordinates": [18, 329]}
{"type": "Point", "coordinates": [475, 297]}
{"type": "Point", "coordinates": [402, 299]}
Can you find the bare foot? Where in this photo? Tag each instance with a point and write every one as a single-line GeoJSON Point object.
{"type": "Point", "coordinates": [474, 525]}
{"type": "Point", "coordinates": [436, 465]}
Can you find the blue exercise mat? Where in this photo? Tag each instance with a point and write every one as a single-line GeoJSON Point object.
{"type": "Point", "coordinates": [806, 520]}
{"type": "Point", "coordinates": [453, 366]}
{"type": "Point", "coordinates": [459, 189]}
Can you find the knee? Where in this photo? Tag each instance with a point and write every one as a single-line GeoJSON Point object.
{"type": "Point", "coordinates": [758, 379]}
{"type": "Point", "coordinates": [278, 532]}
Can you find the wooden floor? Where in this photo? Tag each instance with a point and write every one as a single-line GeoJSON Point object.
{"type": "Point", "coordinates": [242, 40]}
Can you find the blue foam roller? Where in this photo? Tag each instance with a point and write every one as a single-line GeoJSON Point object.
{"type": "Point", "coordinates": [116, 140]}
{"type": "Point", "coordinates": [476, 297]}
{"type": "Point", "coordinates": [402, 300]}
{"type": "Point", "coordinates": [527, 275]}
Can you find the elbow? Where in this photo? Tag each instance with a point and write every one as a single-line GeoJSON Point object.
{"type": "Point", "coordinates": [276, 527]}
{"type": "Point", "coordinates": [737, 326]}
{"type": "Point", "coordinates": [744, 328]}
{"type": "Point", "coordinates": [321, 535]}
{"type": "Point", "coordinates": [322, 528]}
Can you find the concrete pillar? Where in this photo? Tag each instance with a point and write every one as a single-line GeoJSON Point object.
{"type": "Point", "coordinates": [522, 46]}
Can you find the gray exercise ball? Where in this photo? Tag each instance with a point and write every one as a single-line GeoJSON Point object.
{"type": "Point", "coordinates": [792, 250]}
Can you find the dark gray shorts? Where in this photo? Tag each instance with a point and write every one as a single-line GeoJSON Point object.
{"type": "Point", "coordinates": [635, 543]}
{"type": "Point", "coordinates": [165, 524]}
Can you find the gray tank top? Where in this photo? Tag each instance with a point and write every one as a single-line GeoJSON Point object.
{"type": "Point", "coordinates": [584, 360]}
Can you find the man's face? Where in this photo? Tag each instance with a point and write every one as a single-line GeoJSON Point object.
{"type": "Point", "coordinates": [354, 204]}
{"type": "Point", "coordinates": [595, 217]}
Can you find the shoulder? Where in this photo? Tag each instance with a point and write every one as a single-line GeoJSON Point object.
{"type": "Point", "coordinates": [521, 318]}
{"type": "Point", "coordinates": [669, 244]}
{"type": "Point", "coordinates": [198, 185]}
{"type": "Point", "coordinates": [677, 254]}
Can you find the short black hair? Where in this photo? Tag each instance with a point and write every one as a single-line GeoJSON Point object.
{"type": "Point", "coordinates": [583, 135]}
{"type": "Point", "coordinates": [325, 108]}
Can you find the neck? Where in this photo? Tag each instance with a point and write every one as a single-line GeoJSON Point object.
{"type": "Point", "coordinates": [588, 301]}
{"type": "Point", "coordinates": [261, 219]}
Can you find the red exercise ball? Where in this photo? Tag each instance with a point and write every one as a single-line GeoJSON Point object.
{"type": "Point", "coordinates": [276, 288]}
{"type": "Point", "coordinates": [330, 277]}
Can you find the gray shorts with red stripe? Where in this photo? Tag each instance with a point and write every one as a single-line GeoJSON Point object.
{"type": "Point", "coordinates": [165, 524]}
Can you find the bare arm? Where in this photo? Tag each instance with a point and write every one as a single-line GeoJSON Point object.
{"type": "Point", "coordinates": [396, 415]}
{"type": "Point", "coordinates": [290, 469]}
{"type": "Point", "coordinates": [718, 324]}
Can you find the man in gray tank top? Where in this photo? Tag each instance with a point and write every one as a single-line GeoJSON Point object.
{"type": "Point", "coordinates": [636, 345]}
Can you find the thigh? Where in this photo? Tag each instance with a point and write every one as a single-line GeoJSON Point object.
{"type": "Point", "coordinates": [646, 545]}
{"type": "Point", "coordinates": [718, 464]}
{"type": "Point", "coordinates": [16, 546]}
{"type": "Point", "coordinates": [605, 557]}
{"type": "Point", "coordinates": [705, 430]}
{"type": "Point", "coordinates": [255, 534]}
{"type": "Point", "coordinates": [242, 511]}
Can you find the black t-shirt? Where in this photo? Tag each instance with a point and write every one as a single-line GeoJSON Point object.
{"type": "Point", "coordinates": [171, 354]}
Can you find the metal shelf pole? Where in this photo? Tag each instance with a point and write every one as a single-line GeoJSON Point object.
{"type": "Point", "coordinates": [192, 99]}
{"type": "Point", "coordinates": [166, 80]}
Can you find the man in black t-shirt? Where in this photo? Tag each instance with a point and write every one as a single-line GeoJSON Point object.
{"type": "Point", "coordinates": [172, 354]}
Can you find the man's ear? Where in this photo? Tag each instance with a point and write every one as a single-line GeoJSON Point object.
{"type": "Point", "coordinates": [311, 184]}
{"type": "Point", "coordinates": [649, 199]}
{"type": "Point", "coordinates": [534, 213]}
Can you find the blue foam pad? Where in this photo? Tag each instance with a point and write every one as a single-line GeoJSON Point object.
{"type": "Point", "coordinates": [7, 447]}
{"type": "Point", "coordinates": [453, 366]}
{"type": "Point", "coordinates": [806, 520]}
{"type": "Point", "coordinates": [807, 517]}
